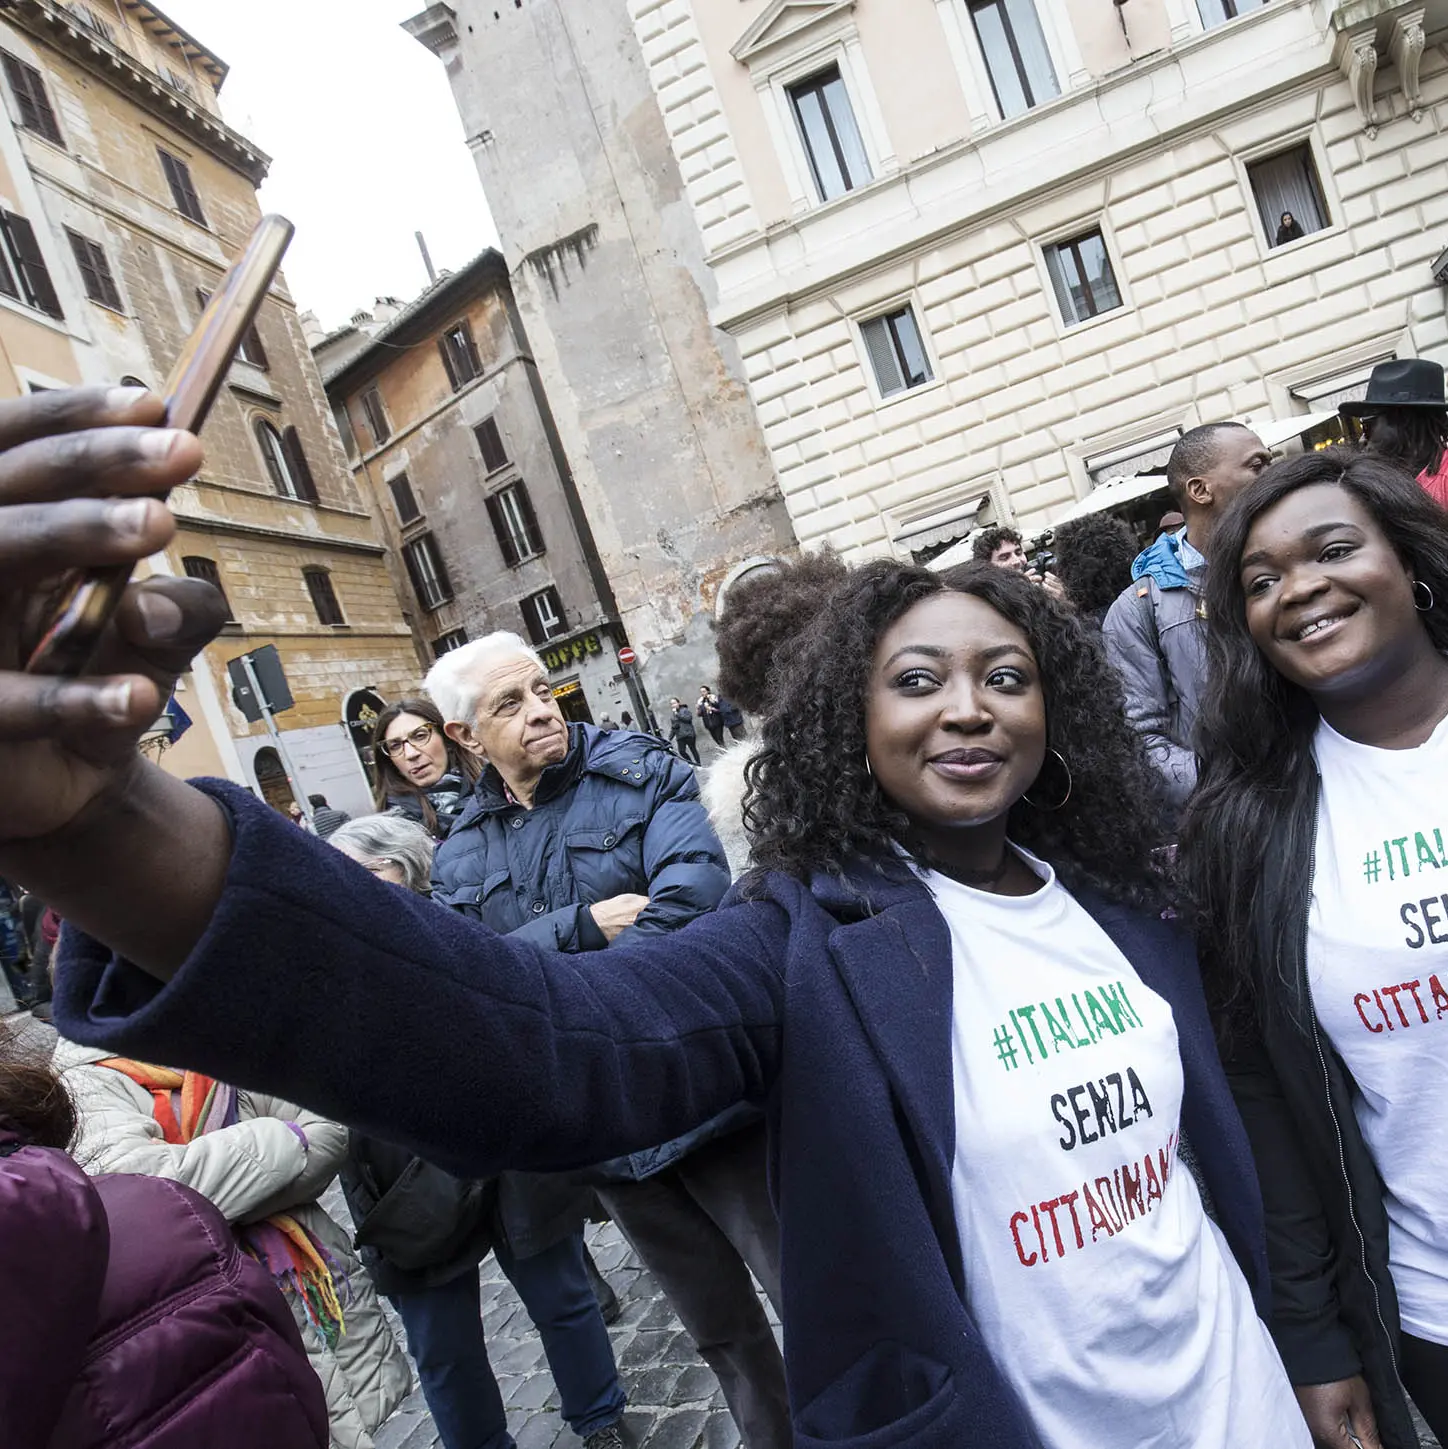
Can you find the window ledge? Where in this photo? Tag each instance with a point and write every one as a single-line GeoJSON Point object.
{"type": "Point", "coordinates": [1074, 329]}
{"type": "Point", "coordinates": [908, 392]}
{"type": "Point", "coordinates": [1269, 251]}
{"type": "Point", "coordinates": [106, 307]}
{"type": "Point", "coordinates": [527, 558]}
{"type": "Point", "coordinates": [34, 314]}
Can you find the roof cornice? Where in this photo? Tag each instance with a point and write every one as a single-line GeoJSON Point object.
{"type": "Point", "coordinates": [56, 27]}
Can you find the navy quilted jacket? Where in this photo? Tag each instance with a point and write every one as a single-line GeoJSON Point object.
{"type": "Point", "coordinates": [620, 814]}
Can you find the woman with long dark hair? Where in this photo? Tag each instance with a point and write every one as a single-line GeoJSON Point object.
{"type": "Point", "coordinates": [1315, 849]}
{"type": "Point", "coordinates": [420, 772]}
{"type": "Point", "coordinates": [981, 1045]}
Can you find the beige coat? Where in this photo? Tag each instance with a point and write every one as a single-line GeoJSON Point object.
{"type": "Point", "coordinates": [251, 1170]}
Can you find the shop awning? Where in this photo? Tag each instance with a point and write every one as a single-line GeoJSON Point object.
{"type": "Point", "coordinates": [1279, 430]}
{"type": "Point", "coordinates": [1117, 491]}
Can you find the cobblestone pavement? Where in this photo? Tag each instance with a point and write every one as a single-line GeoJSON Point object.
{"type": "Point", "coordinates": [674, 1398]}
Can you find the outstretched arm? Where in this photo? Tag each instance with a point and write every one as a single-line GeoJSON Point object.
{"type": "Point", "coordinates": [319, 983]}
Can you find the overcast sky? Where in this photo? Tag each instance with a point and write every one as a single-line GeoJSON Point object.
{"type": "Point", "coordinates": [365, 141]}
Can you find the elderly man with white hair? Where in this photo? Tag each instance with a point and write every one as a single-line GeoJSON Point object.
{"type": "Point", "coordinates": [575, 838]}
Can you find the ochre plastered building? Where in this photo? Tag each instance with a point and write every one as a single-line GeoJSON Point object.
{"type": "Point", "coordinates": [136, 195]}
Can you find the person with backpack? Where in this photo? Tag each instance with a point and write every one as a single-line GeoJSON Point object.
{"type": "Point", "coordinates": [1154, 632]}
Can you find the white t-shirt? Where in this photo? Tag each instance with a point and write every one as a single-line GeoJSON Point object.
{"type": "Point", "coordinates": [1377, 964]}
{"type": "Point", "coordinates": [1104, 1293]}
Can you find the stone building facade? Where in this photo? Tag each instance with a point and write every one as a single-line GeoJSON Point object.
{"type": "Point", "coordinates": [140, 195]}
{"type": "Point", "coordinates": [450, 436]}
{"type": "Point", "coordinates": [609, 271]}
{"type": "Point", "coordinates": [980, 255]}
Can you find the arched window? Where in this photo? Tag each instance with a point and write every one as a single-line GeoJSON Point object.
{"type": "Point", "coordinates": [286, 464]}
{"type": "Point", "coordinates": [129, 381]}
{"type": "Point", "coordinates": [271, 779]}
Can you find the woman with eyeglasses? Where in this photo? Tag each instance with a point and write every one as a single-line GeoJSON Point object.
{"type": "Point", "coordinates": [420, 772]}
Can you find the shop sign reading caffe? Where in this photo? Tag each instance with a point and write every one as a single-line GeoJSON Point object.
{"type": "Point", "coordinates": [569, 652]}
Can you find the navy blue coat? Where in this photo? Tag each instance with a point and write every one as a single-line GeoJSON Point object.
{"type": "Point", "coordinates": [620, 814]}
{"type": "Point", "coordinates": [485, 1053]}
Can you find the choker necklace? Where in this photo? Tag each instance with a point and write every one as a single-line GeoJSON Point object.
{"type": "Point", "coordinates": [990, 877]}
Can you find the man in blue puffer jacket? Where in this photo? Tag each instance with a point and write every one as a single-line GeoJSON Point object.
{"type": "Point", "coordinates": [575, 838]}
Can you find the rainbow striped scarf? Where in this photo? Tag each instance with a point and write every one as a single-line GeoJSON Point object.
{"type": "Point", "coordinates": [188, 1105]}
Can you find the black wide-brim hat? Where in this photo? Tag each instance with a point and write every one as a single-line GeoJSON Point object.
{"type": "Point", "coordinates": [1411, 382]}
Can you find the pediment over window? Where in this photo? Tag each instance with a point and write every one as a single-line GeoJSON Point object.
{"type": "Point", "coordinates": [786, 20]}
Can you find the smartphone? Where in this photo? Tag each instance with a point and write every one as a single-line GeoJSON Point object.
{"type": "Point", "coordinates": [89, 597]}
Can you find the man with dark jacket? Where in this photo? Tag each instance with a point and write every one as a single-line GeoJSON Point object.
{"type": "Point", "coordinates": [575, 839]}
{"type": "Point", "coordinates": [1155, 631]}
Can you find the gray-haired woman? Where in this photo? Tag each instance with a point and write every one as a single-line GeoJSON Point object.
{"type": "Point", "coordinates": [390, 846]}
{"type": "Point", "coordinates": [423, 1232]}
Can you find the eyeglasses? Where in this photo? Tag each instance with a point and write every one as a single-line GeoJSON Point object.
{"type": "Point", "coordinates": [417, 738]}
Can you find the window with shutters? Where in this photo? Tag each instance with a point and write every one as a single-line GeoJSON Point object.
{"type": "Point", "coordinates": [324, 597]}
{"type": "Point", "coordinates": [345, 430]}
{"type": "Point", "coordinates": [183, 191]}
{"type": "Point", "coordinates": [490, 445]}
{"type": "Point", "coordinates": [425, 568]}
{"type": "Point", "coordinates": [1082, 277]}
{"type": "Point", "coordinates": [23, 273]}
{"type": "Point", "coordinates": [206, 570]}
{"type": "Point", "coordinates": [896, 351]}
{"type": "Point", "coordinates": [837, 159]}
{"type": "Point", "coordinates": [251, 349]}
{"type": "Point", "coordinates": [453, 639]}
{"type": "Point", "coordinates": [376, 416]}
{"type": "Point", "coordinates": [543, 616]}
{"type": "Point", "coordinates": [460, 355]}
{"type": "Point", "coordinates": [511, 512]}
{"type": "Point", "coordinates": [95, 271]}
{"type": "Point", "coordinates": [404, 500]}
{"type": "Point", "coordinates": [1016, 56]}
{"type": "Point", "coordinates": [90, 19]}
{"type": "Point", "coordinates": [27, 87]}
{"type": "Point", "coordinates": [286, 463]}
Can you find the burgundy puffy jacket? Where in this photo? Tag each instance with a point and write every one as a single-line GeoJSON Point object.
{"type": "Point", "coordinates": [132, 1320]}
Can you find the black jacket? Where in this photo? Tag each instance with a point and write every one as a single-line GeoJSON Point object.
{"type": "Point", "coordinates": [683, 727]}
{"type": "Point", "coordinates": [1334, 1308]}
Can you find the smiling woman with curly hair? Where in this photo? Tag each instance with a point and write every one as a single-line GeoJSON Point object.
{"type": "Point", "coordinates": [814, 804]}
{"type": "Point", "coordinates": [950, 982]}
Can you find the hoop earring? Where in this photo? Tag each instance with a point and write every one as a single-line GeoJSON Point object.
{"type": "Point", "coordinates": [1036, 805]}
{"type": "Point", "coordinates": [1422, 608]}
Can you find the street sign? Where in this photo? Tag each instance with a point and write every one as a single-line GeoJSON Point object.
{"type": "Point", "coordinates": [626, 656]}
{"type": "Point", "coordinates": [272, 692]}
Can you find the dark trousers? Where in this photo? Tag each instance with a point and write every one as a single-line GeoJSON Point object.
{"type": "Point", "coordinates": [700, 1226]}
{"type": "Point", "coordinates": [445, 1337]}
{"type": "Point", "coordinates": [1425, 1376]}
{"type": "Point", "coordinates": [688, 750]}
{"type": "Point", "coordinates": [716, 732]}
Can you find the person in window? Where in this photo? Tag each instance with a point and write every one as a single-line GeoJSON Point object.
{"type": "Point", "coordinates": [422, 1233]}
{"type": "Point", "coordinates": [1405, 420]}
{"type": "Point", "coordinates": [420, 773]}
{"type": "Point", "coordinates": [1155, 631]}
{"type": "Point", "coordinates": [1288, 230]}
{"type": "Point", "coordinates": [681, 731]}
{"type": "Point", "coordinates": [1313, 846]}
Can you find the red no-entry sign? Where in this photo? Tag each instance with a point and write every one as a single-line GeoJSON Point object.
{"type": "Point", "coordinates": [626, 657]}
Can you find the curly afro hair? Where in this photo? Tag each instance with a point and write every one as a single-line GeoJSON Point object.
{"type": "Point", "coordinates": [812, 806]}
{"type": "Point", "coordinates": [1093, 560]}
{"type": "Point", "coordinates": [764, 611]}
{"type": "Point", "coordinates": [988, 540]}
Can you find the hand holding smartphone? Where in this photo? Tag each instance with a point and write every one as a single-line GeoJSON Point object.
{"type": "Point", "coordinates": [90, 597]}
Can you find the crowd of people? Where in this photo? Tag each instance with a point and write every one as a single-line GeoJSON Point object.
{"type": "Point", "coordinates": [1039, 1004]}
